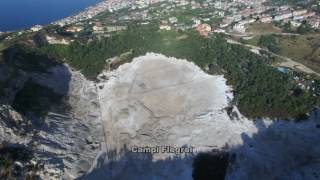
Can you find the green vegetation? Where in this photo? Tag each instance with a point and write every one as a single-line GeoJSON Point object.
{"type": "Point", "coordinates": [260, 90]}
{"type": "Point", "coordinates": [304, 29]}
{"type": "Point", "coordinates": [262, 28]}
{"type": "Point", "coordinates": [287, 27]}
{"type": "Point", "coordinates": [303, 48]}
{"type": "Point", "coordinates": [269, 42]}
{"type": "Point", "coordinates": [90, 58]}
{"type": "Point", "coordinates": [317, 9]}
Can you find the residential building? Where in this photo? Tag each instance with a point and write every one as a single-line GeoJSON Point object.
{"type": "Point", "coordinates": [204, 29]}
{"type": "Point", "coordinates": [266, 19]}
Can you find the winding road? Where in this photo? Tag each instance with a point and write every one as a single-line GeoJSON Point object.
{"type": "Point", "coordinates": [288, 62]}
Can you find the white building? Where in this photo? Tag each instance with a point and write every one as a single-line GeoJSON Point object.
{"type": "Point", "coordinates": [173, 20]}
{"type": "Point", "coordinates": [165, 27]}
{"type": "Point", "coordinates": [283, 16]}
{"type": "Point", "coordinates": [267, 19]}
{"type": "Point", "coordinates": [219, 31]}
{"type": "Point", "coordinates": [241, 28]}
{"type": "Point", "coordinates": [295, 23]}
{"type": "Point", "coordinates": [298, 18]}
{"type": "Point", "coordinates": [299, 12]}
{"type": "Point", "coordinates": [36, 28]}
{"type": "Point", "coordinates": [315, 23]}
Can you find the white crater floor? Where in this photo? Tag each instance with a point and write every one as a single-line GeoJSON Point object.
{"type": "Point", "coordinates": [160, 101]}
{"type": "Point", "coordinates": [156, 101]}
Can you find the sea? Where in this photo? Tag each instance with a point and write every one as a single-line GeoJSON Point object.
{"type": "Point", "coordinates": [21, 14]}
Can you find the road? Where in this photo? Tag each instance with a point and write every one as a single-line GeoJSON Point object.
{"type": "Point", "coordinates": [288, 62]}
{"type": "Point", "coordinates": [255, 34]}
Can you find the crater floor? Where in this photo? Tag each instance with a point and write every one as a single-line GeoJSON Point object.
{"type": "Point", "coordinates": [160, 101]}
{"type": "Point", "coordinates": [156, 100]}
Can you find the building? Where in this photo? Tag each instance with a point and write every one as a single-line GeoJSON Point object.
{"type": "Point", "coordinates": [57, 40]}
{"type": "Point", "coordinates": [266, 19]}
{"type": "Point", "coordinates": [283, 16]}
{"type": "Point", "coordinates": [98, 27]}
{"type": "Point", "coordinates": [115, 28]}
{"type": "Point", "coordinates": [315, 23]}
{"type": "Point", "coordinates": [295, 18]}
{"type": "Point", "coordinates": [239, 27]}
{"type": "Point", "coordinates": [295, 23]}
{"type": "Point", "coordinates": [173, 20]}
{"type": "Point", "coordinates": [196, 22]}
{"type": "Point", "coordinates": [299, 12]}
{"type": "Point", "coordinates": [219, 31]}
{"type": "Point", "coordinates": [204, 29]}
{"type": "Point", "coordinates": [74, 29]}
{"type": "Point", "coordinates": [248, 21]}
{"type": "Point", "coordinates": [310, 14]}
{"type": "Point", "coordinates": [226, 21]}
{"type": "Point", "coordinates": [36, 28]}
{"type": "Point", "coordinates": [165, 27]}
{"type": "Point", "coordinates": [221, 13]}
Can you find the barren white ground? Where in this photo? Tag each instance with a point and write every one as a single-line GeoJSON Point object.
{"type": "Point", "coordinates": [157, 100]}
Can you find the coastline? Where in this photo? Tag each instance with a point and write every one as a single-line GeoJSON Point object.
{"type": "Point", "coordinates": [91, 11]}
{"type": "Point", "coordinates": [86, 13]}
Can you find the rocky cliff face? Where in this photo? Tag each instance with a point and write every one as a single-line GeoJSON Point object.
{"type": "Point", "coordinates": [56, 115]}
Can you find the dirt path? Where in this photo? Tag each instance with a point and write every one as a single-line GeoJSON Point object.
{"type": "Point", "coordinates": [256, 34]}
{"type": "Point", "coordinates": [287, 62]}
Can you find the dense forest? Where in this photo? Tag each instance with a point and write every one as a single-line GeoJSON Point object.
{"type": "Point", "coordinates": [260, 90]}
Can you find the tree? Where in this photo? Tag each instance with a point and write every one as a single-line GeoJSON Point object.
{"type": "Point", "coordinates": [270, 42]}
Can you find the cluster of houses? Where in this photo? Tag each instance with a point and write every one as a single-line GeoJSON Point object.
{"type": "Point", "coordinates": [265, 14]}
{"type": "Point", "coordinates": [237, 14]}
{"type": "Point", "coordinates": [202, 28]}
{"type": "Point", "coordinates": [304, 83]}
{"type": "Point", "coordinates": [75, 29]}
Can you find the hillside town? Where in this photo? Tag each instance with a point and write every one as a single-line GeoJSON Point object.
{"type": "Point", "coordinates": [233, 15]}
{"type": "Point", "coordinates": [204, 16]}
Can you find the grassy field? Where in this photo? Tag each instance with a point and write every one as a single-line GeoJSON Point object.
{"type": "Point", "coordinates": [295, 47]}
{"type": "Point", "coordinates": [262, 28]}
{"type": "Point", "coordinates": [253, 41]}
{"type": "Point", "coordinates": [304, 48]}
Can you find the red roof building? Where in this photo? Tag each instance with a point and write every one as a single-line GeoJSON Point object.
{"type": "Point", "coordinates": [204, 29]}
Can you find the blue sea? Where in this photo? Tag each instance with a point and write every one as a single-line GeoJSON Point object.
{"type": "Point", "coordinates": [19, 14]}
